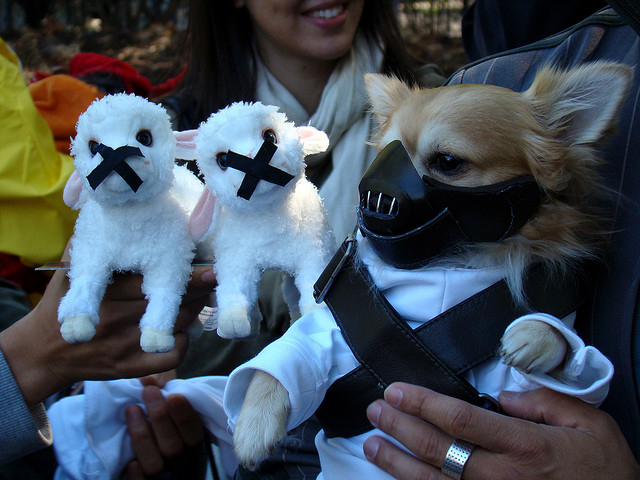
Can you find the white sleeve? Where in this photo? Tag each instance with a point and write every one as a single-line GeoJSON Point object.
{"type": "Point", "coordinates": [586, 373]}
{"type": "Point", "coordinates": [306, 360]}
{"type": "Point", "coordinates": [90, 430]}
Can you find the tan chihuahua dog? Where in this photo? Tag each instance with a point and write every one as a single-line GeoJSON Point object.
{"type": "Point", "coordinates": [479, 135]}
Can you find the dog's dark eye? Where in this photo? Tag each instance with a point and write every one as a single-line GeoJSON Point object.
{"type": "Point", "coordinates": [93, 147]}
{"type": "Point", "coordinates": [144, 137]}
{"type": "Point", "coordinates": [269, 136]}
{"type": "Point", "coordinates": [221, 158]}
{"type": "Point", "coordinates": [446, 163]}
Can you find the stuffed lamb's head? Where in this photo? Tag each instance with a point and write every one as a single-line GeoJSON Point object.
{"type": "Point", "coordinates": [124, 149]}
{"type": "Point", "coordinates": [235, 141]}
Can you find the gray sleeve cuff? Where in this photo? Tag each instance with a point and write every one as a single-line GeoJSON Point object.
{"type": "Point", "coordinates": [22, 430]}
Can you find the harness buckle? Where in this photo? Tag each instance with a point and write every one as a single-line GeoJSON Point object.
{"type": "Point", "coordinates": [490, 403]}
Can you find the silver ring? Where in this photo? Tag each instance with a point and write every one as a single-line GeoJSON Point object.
{"type": "Point", "coordinates": [457, 455]}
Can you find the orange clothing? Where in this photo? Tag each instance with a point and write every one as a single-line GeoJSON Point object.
{"type": "Point", "coordinates": [61, 99]}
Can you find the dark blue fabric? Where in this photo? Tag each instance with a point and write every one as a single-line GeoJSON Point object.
{"type": "Point", "coordinates": [610, 321]}
{"type": "Point", "coordinates": [493, 26]}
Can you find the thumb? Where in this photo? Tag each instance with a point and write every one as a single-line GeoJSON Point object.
{"type": "Point", "coordinates": [546, 406]}
{"type": "Point", "coordinates": [203, 276]}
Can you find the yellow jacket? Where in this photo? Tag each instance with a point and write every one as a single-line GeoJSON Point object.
{"type": "Point", "coordinates": [35, 224]}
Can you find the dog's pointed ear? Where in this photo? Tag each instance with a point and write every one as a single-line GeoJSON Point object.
{"type": "Point", "coordinates": [580, 104]}
{"type": "Point", "coordinates": [385, 93]}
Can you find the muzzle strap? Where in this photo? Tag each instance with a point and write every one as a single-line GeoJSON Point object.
{"type": "Point", "coordinates": [114, 161]}
{"type": "Point", "coordinates": [257, 169]}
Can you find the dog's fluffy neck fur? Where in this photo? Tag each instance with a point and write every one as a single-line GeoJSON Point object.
{"type": "Point", "coordinates": [550, 132]}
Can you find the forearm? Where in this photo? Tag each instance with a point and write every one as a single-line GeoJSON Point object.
{"type": "Point", "coordinates": [30, 347]}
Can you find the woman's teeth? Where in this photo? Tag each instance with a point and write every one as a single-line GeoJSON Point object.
{"type": "Point", "coordinates": [328, 13]}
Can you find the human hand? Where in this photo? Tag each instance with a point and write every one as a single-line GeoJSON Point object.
{"type": "Point", "coordinates": [169, 432]}
{"type": "Point", "coordinates": [43, 363]}
{"type": "Point", "coordinates": [555, 437]}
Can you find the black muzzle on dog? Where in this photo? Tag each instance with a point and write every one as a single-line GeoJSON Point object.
{"type": "Point", "coordinates": [410, 220]}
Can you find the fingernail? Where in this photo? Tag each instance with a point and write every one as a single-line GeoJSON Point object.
{"type": "Point", "coordinates": [208, 276]}
{"type": "Point", "coordinates": [152, 396]}
{"type": "Point", "coordinates": [393, 396]}
{"type": "Point", "coordinates": [371, 447]}
{"type": "Point", "coordinates": [509, 396]}
{"type": "Point", "coordinates": [373, 413]}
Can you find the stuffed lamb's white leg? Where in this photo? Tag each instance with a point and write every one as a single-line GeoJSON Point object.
{"type": "Point", "coordinates": [291, 296]}
{"type": "Point", "coordinates": [156, 325]}
{"type": "Point", "coordinates": [89, 275]}
{"type": "Point", "coordinates": [262, 421]}
{"type": "Point", "coordinates": [305, 279]}
{"type": "Point", "coordinates": [236, 292]}
{"type": "Point", "coordinates": [163, 286]}
{"type": "Point", "coordinates": [78, 309]}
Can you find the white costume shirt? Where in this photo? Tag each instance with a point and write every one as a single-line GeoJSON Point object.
{"type": "Point", "coordinates": [313, 354]}
{"type": "Point", "coordinates": [90, 432]}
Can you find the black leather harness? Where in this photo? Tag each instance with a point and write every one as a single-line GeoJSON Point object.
{"type": "Point", "coordinates": [436, 354]}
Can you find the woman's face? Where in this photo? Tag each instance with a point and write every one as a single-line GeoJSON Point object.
{"type": "Point", "coordinates": [311, 30]}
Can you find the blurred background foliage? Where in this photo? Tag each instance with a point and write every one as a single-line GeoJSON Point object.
{"type": "Point", "coordinates": [148, 34]}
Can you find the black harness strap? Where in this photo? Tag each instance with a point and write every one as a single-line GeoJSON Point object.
{"type": "Point", "coordinates": [434, 355]}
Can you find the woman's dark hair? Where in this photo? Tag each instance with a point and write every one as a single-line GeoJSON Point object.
{"type": "Point", "coordinates": [221, 58]}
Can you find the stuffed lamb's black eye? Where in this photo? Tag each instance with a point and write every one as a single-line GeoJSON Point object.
{"type": "Point", "coordinates": [93, 147]}
{"type": "Point", "coordinates": [269, 136]}
{"type": "Point", "coordinates": [221, 158]}
{"type": "Point", "coordinates": [144, 137]}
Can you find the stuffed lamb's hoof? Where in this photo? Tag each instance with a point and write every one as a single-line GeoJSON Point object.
{"type": "Point", "coordinates": [77, 329]}
{"type": "Point", "coordinates": [156, 341]}
{"type": "Point", "coordinates": [532, 345]}
{"type": "Point", "coordinates": [234, 323]}
{"type": "Point", "coordinates": [262, 422]}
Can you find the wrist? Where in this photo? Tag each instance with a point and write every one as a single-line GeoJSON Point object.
{"type": "Point", "coordinates": [31, 348]}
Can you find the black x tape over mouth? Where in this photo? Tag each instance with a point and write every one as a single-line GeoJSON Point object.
{"type": "Point", "coordinates": [114, 161]}
{"type": "Point", "coordinates": [255, 169]}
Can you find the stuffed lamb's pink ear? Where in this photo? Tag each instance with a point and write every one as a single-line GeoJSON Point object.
{"type": "Point", "coordinates": [186, 144]}
{"type": "Point", "coordinates": [313, 140]}
{"type": "Point", "coordinates": [202, 217]}
{"type": "Point", "coordinates": [74, 193]}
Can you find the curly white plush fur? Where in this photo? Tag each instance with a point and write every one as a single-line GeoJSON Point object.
{"type": "Point", "coordinates": [277, 227]}
{"type": "Point", "coordinates": [119, 229]}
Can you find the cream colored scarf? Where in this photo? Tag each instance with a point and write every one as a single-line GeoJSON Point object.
{"type": "Point", "coordinates": [342, 115]}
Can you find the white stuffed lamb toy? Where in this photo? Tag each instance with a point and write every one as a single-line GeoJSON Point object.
{"type": "Point", "coordinates": [129, 220]}
{"type": "Point", "coordinates": [259, 210]}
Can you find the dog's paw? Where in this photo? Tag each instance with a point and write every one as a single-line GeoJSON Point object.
{"type": "Point", "coordinates": [77, 329]}
{"type": "Point", "coordinates": [156, 341]}
{"type": "Point", "coordinates": [262, 422]}
{"type": "Point", "coordinates": [532, 345]}
{"type": "Point", "coordinates": [233, 322]}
